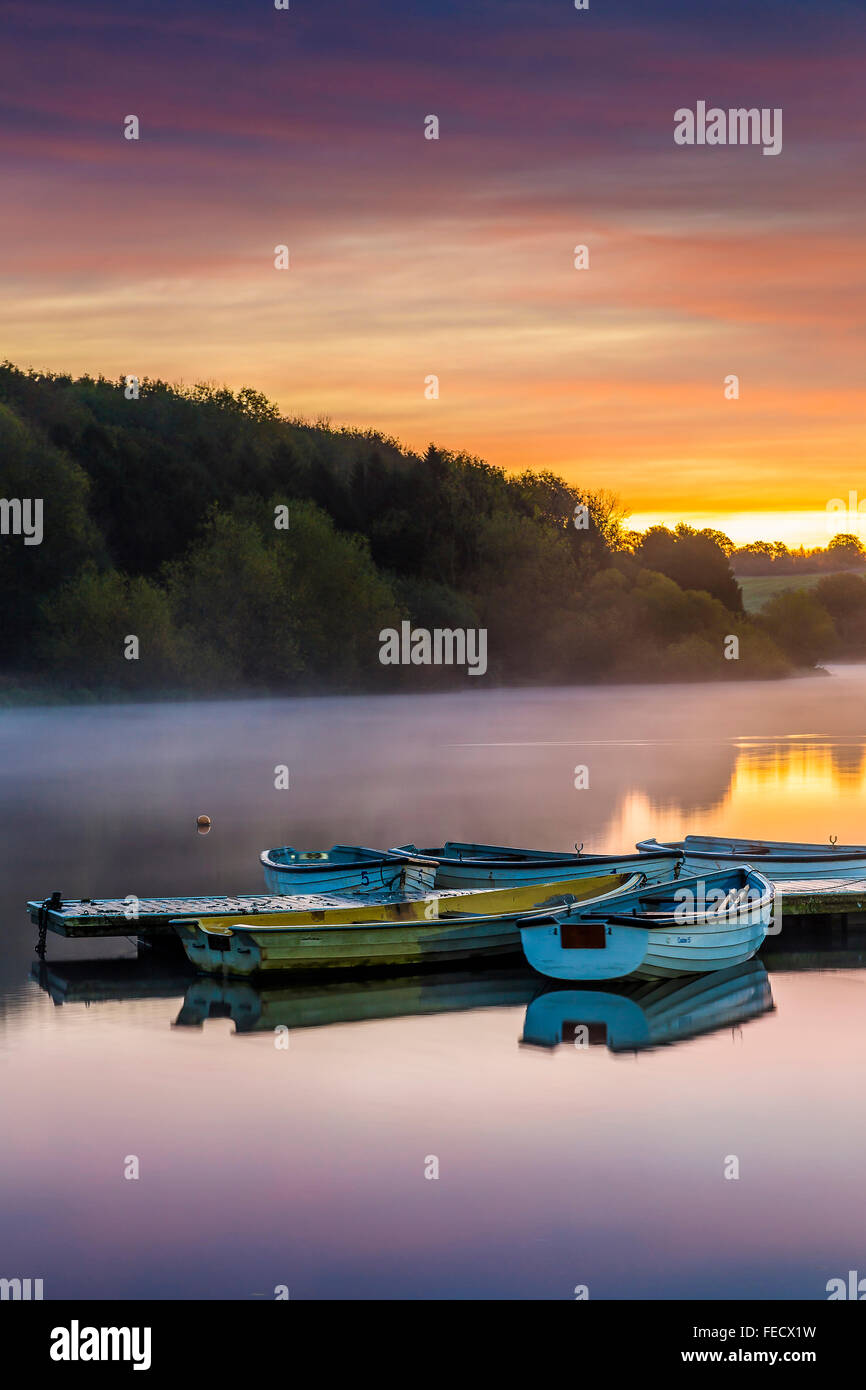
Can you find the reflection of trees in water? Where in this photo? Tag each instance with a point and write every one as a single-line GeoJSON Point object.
{"type": "Point", "coordinates": [525, 795]}
{"type": "Point", "coordinates": [652, 788]}
{"type": "Point", "coordinates": [848, 762]}
{"type": "Point", "coordinates": [690, 778]}
{"type": "Point", "coordinates": [679, 782]}
{"type": "Point", "coordinates": [821, 763]}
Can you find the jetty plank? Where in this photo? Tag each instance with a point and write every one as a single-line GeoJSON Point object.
{"type": "Point", "coordinates": [107, 917]}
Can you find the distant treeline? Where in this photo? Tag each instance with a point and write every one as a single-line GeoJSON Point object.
{"type": "Point", "coordinates": [844, 552]}
{"type": "Point", "coordinates": [243, 551]}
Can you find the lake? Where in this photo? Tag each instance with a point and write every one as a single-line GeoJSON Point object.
{"type": "Point", "coordinates": [559, 1166]}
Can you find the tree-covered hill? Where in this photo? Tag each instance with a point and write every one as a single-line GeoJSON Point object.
{"type": "Point", "coordinates": [244, 551]}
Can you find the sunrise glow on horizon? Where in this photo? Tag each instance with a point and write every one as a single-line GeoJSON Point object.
{"type": "Point", "coordinates": [455, 257]}
{"type": "Point", "coordinates": [810, 529]}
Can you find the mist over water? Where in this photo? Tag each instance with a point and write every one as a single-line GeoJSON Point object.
{"type": "Point", "coordinates": [305, 1167]}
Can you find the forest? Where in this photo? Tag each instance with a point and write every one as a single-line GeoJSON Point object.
{"type": "Point", "coordinates": [194, 541]}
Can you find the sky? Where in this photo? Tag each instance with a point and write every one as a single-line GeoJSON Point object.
{"type": "Point", "coordinates": [454, 258]}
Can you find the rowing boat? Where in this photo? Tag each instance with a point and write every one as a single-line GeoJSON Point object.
{"type": "Point", "coordinates": [689, 927]}
{"type": "Point", "coordinates": [777, 859]}
{"type": "Point", "coordinates": [648, 1013]}
{"type": "Point", "coordinates": [360, 934]}
{"type": "Point", "coordinates": [464, 865]}
{"type": "Point", "coordinates": [346, 869]}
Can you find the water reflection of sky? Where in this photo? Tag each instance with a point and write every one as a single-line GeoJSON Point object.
{"type": "Point", "coordinates": [812, 788]}
{"type": "Point", "coordinates": [305, 1167]}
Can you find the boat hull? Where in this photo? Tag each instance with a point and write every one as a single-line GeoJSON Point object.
{"type": "Point", "coordinates": [621, 950]}
{"type": "Point", "coordinates": [641, 952]}
{"type": "Point", "coordinates": [672, 954]}
{"type": "Point", "coordinates": [695, 927]}
{"type": "Point", "coordinates": [495, 866]}
{"type": "Point", "coordinates": [440, 930]}
{"type": "Point", "coordinates": [779, 861]}
{"type": "Point", "coordinates": [250, 951]}
{"type": "Point", "coordinates": [345, 869]}
{"type": "Point", "coordinates": [781, 871]}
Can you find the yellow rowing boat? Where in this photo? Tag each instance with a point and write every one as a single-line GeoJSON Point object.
{"type": "Point", "coordinates": [360, 934]}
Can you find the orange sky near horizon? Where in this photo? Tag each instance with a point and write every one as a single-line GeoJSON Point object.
{"type": "Point", "coordinates": [455, 257]}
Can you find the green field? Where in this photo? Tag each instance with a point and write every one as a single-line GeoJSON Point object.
{"type": "Point", "coordinates": [758, 589]}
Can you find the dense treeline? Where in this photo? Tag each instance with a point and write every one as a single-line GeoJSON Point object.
{"type": "Point", "coordinates": [844, 552]}
{"type": "Point", "coordinates": [244, 551]}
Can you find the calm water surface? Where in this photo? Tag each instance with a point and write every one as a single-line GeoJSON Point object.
{"type": "Point", "coordinates": [558, 1166]}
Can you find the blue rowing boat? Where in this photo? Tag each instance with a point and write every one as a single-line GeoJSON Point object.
{"type": "Point", "coordinates": [689, 927]}
{"type": "Point", "coordinates": [346, 869]}
{"type": "Point", "coordinates": [778, 860]}
{"type": "Point", "coordinates": [464, 865]}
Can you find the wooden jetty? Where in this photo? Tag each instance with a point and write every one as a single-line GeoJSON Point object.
{"type": "Point", "coordinates": [148, 918]}
{"type": "Point", "coordinates": [821, 897]}
{"type": "Point", "coordinates": [828, 901]}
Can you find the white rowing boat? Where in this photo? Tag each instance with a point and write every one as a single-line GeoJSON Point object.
{"type": "Point", "coordinates": [688, 927]}
{"type": "Point", "coordinates": [776, 859]}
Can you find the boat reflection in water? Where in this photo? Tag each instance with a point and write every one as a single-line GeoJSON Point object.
{"type": "Point", "coordinates": [624, 1015]}
{"type": "Point", "coordinates": [254, 1008]}
{"type": "Point", "coordinates": [634, 1015]}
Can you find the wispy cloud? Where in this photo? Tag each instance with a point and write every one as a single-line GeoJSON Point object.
{"type": "Point", "coordinates": [455, 257]}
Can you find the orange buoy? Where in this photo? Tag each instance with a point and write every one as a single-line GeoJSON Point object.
{"type": "Point", "coordinates": [203, 823]}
